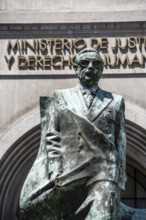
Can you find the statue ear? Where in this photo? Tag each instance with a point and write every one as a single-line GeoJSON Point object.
{"type": "Point", "coordinates": [75, 67]}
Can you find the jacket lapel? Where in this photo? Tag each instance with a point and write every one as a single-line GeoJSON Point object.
{"type": "Point", "coordinates": [101, 101]}
{"type": "Point", "coordinates": [74, 100]}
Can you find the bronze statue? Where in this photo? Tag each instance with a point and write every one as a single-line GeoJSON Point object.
{"type": "Point", "coordinates": [79, 172]}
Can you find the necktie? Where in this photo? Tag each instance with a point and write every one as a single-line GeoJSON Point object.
{"type": "Point", "coordinates": [89, 97]}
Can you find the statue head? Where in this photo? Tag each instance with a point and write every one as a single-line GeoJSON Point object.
{"type": "Point", "coordinates": [89, 67]}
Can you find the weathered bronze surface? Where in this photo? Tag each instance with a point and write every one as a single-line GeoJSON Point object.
{"type": "Point", "coordinates": [79, 172]}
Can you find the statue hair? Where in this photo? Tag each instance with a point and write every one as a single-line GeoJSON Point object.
{"type": "Point", "coordinates": [87, 50]}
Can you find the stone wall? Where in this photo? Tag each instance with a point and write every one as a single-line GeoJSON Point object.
{"type": "Point", "coordinates": [71, 11]}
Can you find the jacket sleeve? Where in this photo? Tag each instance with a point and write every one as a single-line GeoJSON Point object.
{"type": "Point", "coordinates": [53, 143]}
{"type": "Point", "coordinates": [121, 144]}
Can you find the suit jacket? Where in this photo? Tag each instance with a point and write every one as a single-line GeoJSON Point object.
{"type": "Point", "coordinates": [79, 143]}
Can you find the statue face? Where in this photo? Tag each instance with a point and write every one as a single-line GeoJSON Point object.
{"type": "Point", "coordinates": [89, 69]}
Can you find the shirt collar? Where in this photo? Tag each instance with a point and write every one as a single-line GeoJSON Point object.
{"type": "Point", "coordinates": [92, 90]}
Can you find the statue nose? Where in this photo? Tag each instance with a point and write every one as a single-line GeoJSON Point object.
{"type": "Point", "coordinates": [90, 66]}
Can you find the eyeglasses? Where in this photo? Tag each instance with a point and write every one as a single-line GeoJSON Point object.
{"type": "Point", "coordinates": [95, 63]}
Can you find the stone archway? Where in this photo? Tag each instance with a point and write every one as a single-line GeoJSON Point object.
{"type": "Point", "coordinates": [136, 143]}
{"type": "Point", "coordinates": [15, 165]}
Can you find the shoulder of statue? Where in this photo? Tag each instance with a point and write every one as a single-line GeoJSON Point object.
{"type": "Point", "coordinates": [117, 100]}
{"type": "Point", "coordinates": [62, 91]}
{"type": "Point", "coordinates": [61, 97]}
{"type": "Point", "coordinates": [105, 93]}
{"type": "Point", "coordinates": [113, 96]}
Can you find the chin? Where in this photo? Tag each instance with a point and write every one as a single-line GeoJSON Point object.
{"type": "Point", "coordinates": [88, 83]}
